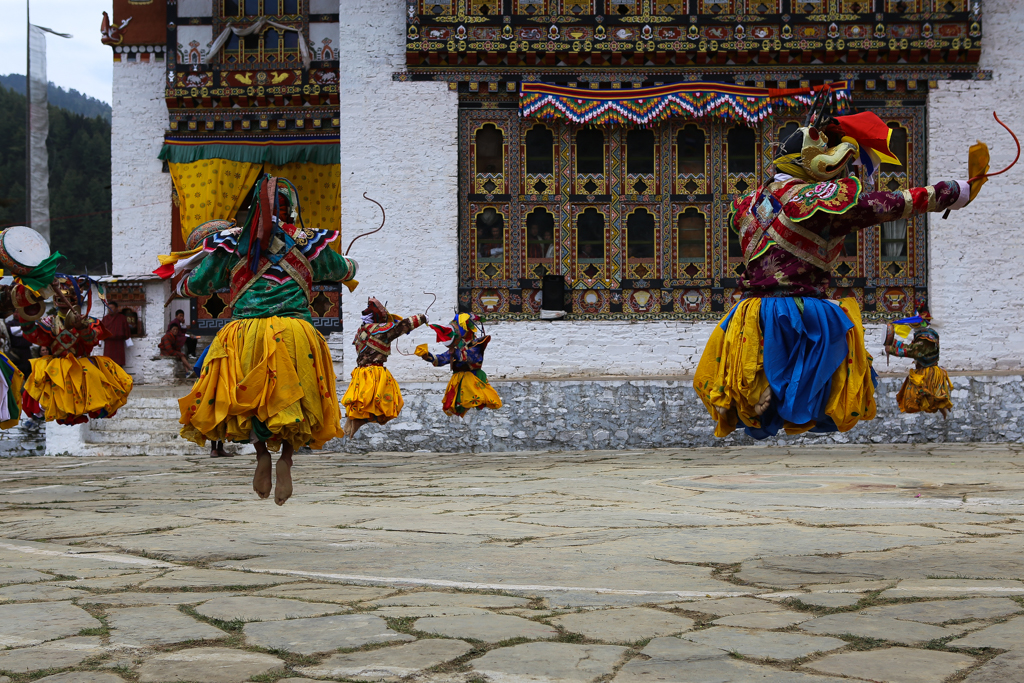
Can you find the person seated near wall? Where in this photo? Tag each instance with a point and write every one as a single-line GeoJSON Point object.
{"type": "Point", "coordinates": [172, 344]}
{"type": "Point", "coordinates": [116, 325]}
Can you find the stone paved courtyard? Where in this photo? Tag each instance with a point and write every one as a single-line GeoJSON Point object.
{"type": "Point", "coordinates": [803, 565]}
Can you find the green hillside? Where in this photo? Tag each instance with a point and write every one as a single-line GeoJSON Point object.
{"type": "Point", "coordinates": [72, 100]}
{"type": "Point", "coordinates": [79, 151]}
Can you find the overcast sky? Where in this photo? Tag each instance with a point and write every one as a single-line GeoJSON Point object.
{"type": "Point", "coordinates": [82, 63]}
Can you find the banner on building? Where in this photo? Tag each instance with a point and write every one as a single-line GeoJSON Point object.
{"type": "Point", "coordinates": [38, 129]}
{"type": "Point", "coordinates": [645, 106]}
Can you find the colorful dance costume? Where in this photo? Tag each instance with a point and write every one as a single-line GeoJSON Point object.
{"type": "Point", "coordinates": [786, 357]}
{"type": "Point", "coordinates": [11, 378]}
{"type": "Point", "coordinates": [468, 387]}
{"type": "Point", "coordinates": [25, 299]}
{"type": "Point", "coordinates": [927, 388]}
{"type": "Point", "coordinates": [69, 385]}
{"type": "Point", "coordinates": [268, 375]}
{"type": "Point", "coordinates": [373, 394]}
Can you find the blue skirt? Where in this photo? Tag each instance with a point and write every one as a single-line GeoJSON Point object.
{"type": "Point", "coordinates": [805, 342]}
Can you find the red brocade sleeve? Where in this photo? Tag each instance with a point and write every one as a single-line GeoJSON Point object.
{"type": "Point", "coordinates": [878, 207]}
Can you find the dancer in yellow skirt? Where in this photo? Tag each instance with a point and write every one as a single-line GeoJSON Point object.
{"type": "Point", "coordinates": [268, 377]}
{"type": "Point", "coordinates": [468, 387]}
{"type": "Point", "coordinates": [927, 388]}
{"type": "Point", "coordinates": [373, 394]}
{"type": "Point", "coordinates": [786, 357]}
{"type": "Point", "coordinates": [67, 384]}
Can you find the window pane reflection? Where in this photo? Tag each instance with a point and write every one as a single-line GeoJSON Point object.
{"type": "Point", "coordinates": [690, 238]}
{"type": "Point", "coordinates": [540, 235]}
{"type": "Point", "coordinates": [590, 237]}
{"type": "Point", "coordinates": [640, 152]}
{"type": "Point", "coordinates": [741, 150]}
{"type": "Point", "coordinates": [640, 235]}
{"type": "Point", "coordinates": [489, 143]}
{"type": "Point", "coordinates": [490, 235]}
{"type": "Point", "coordinates": [590, 152]}
{"type": "Point", "coordinates": [690, 151]}
{"type": "Point", "coordinates": [540, 148]}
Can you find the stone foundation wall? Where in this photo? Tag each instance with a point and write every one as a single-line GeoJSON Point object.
{"type": "Point", "coordinates": [28, 438]}
{"type": "Point", "coordinates": [581, 414]}
{"type": "Point", "coordinates": [624, 414]}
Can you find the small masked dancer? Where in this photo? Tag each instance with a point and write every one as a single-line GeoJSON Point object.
{"type": "Point", "coordinates": [468, 387]}
{"type": "Point", "coordinates": [927, 388]}
{"type": "Point", "coordinates": [373, 394]}
{"type": "Point", "coordinates": [68, 385]}
{"type": "Point", "coordinates": [785, 356]}
{"type": "Point", "coordinates": [12, 377]}
{"type": "Point", "coordinates": [24, 255]}
{"type": "Point", "coordinates": [268, 377]}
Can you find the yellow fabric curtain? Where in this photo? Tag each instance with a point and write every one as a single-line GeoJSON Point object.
{"type": "Point", "coordinates": [211, 189]}
{"type": "Point", "coordinates": [319, 188]}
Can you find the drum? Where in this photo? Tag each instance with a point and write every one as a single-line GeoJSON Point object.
{"type": "Point", "coordinates": [22, 249]}
{"type": "Point", "coordinates": [199, 235]}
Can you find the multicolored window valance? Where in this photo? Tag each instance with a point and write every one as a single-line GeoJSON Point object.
{"type": "Point", "coordinates": [646, 106]}
{"type": "Point", "coordinates": [278, 150]}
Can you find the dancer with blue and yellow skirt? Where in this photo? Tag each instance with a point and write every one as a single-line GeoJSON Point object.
{"type": "Point", "coordinates": [786, 357]}
{"type": "Point", "coordinates": [268, 377]}
{"type": "Point", "coordinates": [468, 388]}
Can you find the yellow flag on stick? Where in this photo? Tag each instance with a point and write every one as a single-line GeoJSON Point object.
{"type": "Point", "coordinates": [977, 166]}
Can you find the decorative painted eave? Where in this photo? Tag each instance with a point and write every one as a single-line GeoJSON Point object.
{"type": "Point", "coordinates": [566, 36]}
{"type": "Point", "coordinates": [645, 106]}
{"type": "Point", "coordinates": [277, 149]}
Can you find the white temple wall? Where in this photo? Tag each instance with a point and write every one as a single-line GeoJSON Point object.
{"type": "Point", "coordinates": [399, 139]}
{"type": "Point", "coordinates": [976, 257]}
{"type": "Point", "coordinates": [398, 145]}
{"type": "Point", "coordinates": [140, 197]}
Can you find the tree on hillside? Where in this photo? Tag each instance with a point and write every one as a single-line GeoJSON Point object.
{"type": "Point", "coordinates": [79, 156]}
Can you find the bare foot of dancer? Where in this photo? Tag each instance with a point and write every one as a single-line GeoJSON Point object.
{"type": "Point", "coordinates": [262, 481]}
{"type": "Point", "coordinates": [352, 426]}
{"type": "Point", "coordinates": [217, 450]}
{"type": "Point", "coordinates": [283, 488]}
{"type": "Point", "coordinates": [764, 401]}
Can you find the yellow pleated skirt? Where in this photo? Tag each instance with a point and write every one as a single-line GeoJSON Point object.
{"type": "Point", "coordinates": [465, 391]}
{"type": "Point", "coordinates": [268, 379]}
{"type": "Point", "coordinates": [730, 376]}
{"type": "Point", "coordinates": [14, 381]}
{"type": "Point", "coordinates": [926, 390]}
{"type": "Point", "coordinates": [70, 390]}
{"type": "Point", "coordinates": [373, 394]}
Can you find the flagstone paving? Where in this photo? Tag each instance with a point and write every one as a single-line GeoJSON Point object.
{"type": "Point", "coordinates": [779, 565]}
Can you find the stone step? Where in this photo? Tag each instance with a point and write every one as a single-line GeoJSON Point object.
{"type": "Point", "coordinates": [135, 413]}
{"type": "Point", "coordinates": [119, 423]}
{"type": "Point", "coordinates": [143, 402]}
{"type": "Point", "coordinates": [149, 436]}
{"type": "Point", "coordinates": [176, 447]}
{"type": "Point", "coordinates": [160, 390]}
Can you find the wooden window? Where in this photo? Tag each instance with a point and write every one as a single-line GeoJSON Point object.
{"type": "Point", "coordinates": [691, 235]}
{"type": "Point", "coordinates": [540, 151]}
{"type": "Point", "coordinates": [590, 152]}
{"type": "Point", "coordinates": [590, 237]}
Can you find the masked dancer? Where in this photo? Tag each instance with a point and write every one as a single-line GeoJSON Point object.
{"type": "Point", "coordinates": [468, 388]}
{"type": "Point", "coordinates": [268, 377]}
{"type": "Point", "coordinates": [373, 394]}
{"type": "Point", "coordinates": [68, 384]}
{"type": "Point", "coordinates": [786, 357]}
{"type": "Point", "coordinates": [927, 388]}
